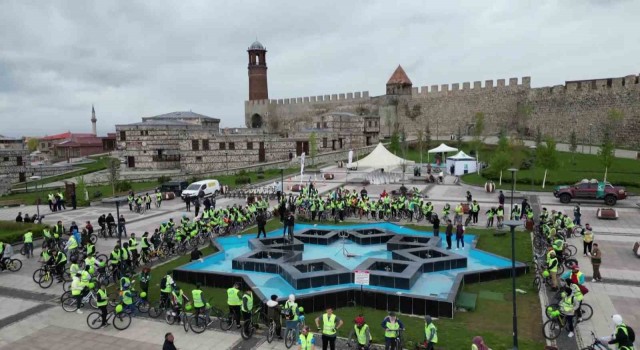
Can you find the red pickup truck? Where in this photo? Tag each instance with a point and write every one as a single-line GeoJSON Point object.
{"type": "Point", "coordinates": [589, 190]}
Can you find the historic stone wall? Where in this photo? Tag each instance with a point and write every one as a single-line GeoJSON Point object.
{"type": "Point", "coordinates": [13, 162]}
{"type": "Point", "coordinates": [556, 110]}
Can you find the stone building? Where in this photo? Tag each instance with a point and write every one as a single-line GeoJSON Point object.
{"type": "Point", "coordinates": [13, 160]}
{"type": "Point", "coordinates": [581, 106]}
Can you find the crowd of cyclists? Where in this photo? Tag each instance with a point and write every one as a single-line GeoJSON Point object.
{"type": "Point", "coordinates": [86, 273]}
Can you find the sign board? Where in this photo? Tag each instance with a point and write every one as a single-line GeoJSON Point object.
{"type": "Point", "coordinates": [361, 277]}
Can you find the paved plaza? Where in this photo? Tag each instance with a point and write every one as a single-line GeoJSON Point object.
{"type": "Point", "coordinates": [30, 318]}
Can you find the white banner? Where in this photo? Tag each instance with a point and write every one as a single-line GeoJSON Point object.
{"type": "Point", "coordinates": [350, 159]}
{"type": "Point", "coordinates": [302, 164]}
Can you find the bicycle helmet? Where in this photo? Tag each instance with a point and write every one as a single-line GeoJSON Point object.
{"type": "Point", "coordinates": [359, 320]}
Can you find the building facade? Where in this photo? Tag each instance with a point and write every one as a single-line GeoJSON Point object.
{"type": "Point", "coordinates": [581, 106]}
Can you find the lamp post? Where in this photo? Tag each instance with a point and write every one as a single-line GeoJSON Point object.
{"type": "Point", "coordinates": [513, 223]}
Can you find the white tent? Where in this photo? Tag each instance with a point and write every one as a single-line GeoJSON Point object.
{"type": "Point", "coordinates": [443, 149]}
{"type": "Point", "coordinates": [380, 157]}
{"type": "Point", "coordinates": [461, 163]}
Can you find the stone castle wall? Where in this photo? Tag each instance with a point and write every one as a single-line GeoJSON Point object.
{"type": "Point", "coordinates": [556, 110]}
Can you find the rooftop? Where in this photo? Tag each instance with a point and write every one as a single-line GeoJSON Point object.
{"type": "Point", "coordinates": [181, 115]}
{"type": "Point", "coordinates": [256, 46]}
{"type": "Point", "coordinates": [66, 135]}
{"type": "Point", "coordinates": [399, 77]}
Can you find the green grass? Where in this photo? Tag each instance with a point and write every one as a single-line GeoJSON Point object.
{"type": "Point", "coordinates": [491, 319]}
{"type": "Point", "coordinates": [13, 232]}
{"type": "Point", "coordinates": [100, 163]}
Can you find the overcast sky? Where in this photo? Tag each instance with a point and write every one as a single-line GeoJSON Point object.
{"type": "Point", "coordinates": [142, 58]}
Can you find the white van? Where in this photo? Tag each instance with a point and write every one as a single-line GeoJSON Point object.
{"type": "Point", "coordinates": [210, 188]}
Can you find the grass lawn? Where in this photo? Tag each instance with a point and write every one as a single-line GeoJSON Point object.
{"type": "Point", "coordinates": [491, 319]}
{"type": "Point", "coordinates": [12, 232]}
{"type": "Point", "coordinates": [100, 163]}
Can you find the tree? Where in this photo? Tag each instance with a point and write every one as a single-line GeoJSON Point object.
{"type": "Point", "coordinates": [538, 136]}
{"type": "Point", "coordinates": [522, 117]}
{"type": "Point", "coordinates": [608, 146]}
{"type": "Point", "coordinates": [427, 137]}
{"type": "Point", "coordinates": [459, 138]}
{"type": "Point", "coordinates": [499, 163]}
{"type": "Point", "coordinates": [420, 136]}
{"type": "Point", "coordinates": [503, 142]}
{"type": "Point", "coordinates": [547, 157]}
{"type": "Point", "coordinates": [573, 146]}
{"type": "Point", "coordinates": [113, 173]}
{"type": "Point", "coordinates": [394, 146]}
{"type": "Point", "coordinates": [313, 147]}
{"type": "Point", "coordinates": [32, 144]}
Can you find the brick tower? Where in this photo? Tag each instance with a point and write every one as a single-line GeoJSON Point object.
{"type": "Point", "coordinates": [399, 83]}
{"type": "Point", "coordinates": [257, 72]}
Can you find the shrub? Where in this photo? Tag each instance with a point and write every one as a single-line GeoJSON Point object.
{"type": "Point", "coordinates": [162, 179]}
{"type": "Point", "coordinates": [12, 232]}
{"type": "Point", "coordinates": [243, 180]}
{"type": "Point", "coordinates": [123, 186]}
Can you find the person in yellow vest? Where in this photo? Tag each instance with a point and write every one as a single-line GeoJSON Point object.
{"type": "Point", "coordinates": [102, 302]}
{"type": "Point", "coordinates": [361, 333]}
{"type": "Point", "coordinates": [587, 239]}
{"type": "Point", "coordinates": [179, 302]}
{"type": "Point", "coordinates": [624, 335]}
{"type": "Point", "coordinates": [552, 266]}
{"type": "Point", "coordinates": [306, 341]}
{"type": "Point", "coordinates": [330, 325]}
{"type": "Point", "coordinates": [127, 300]}
{"type": "Point", "coordinates": [234, 301]}
{"type": "Point", "coordinates": [568, 305]}
{"type": "Point", "coordinates": [392, 327]}
{"type": "Point", "coordinates": [198, 300]}
{"type": "Point", "coordinates": [478, 344]}
{"type": "Point", "coordinates": [247, 306]}
{"type": "Point", "coordinates": [430, 333]}
{"type": "Point", "coordinates": [77, 291]}
{"type": "Point", "coordinates": [28, 244]}
{"type": "Point", "coordinates": [166, 287]}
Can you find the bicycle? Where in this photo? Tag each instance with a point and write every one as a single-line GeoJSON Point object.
{"type": "Point", "coordinates": [227, 320]}
{"type": "Point", "coordinates": [120, 320]}
{"type": "Point", "coordinates": [13, 265]}
{"type": "Point", "coordinates": [69, 303]}
{"type": "Point", "coordinates": [552, 328]}
{"type": "Point", "coordinates": [249, 326]}
{"type": "Point", "coordinates": [159, 308]}
{"type": "Point", "coordinates": [290, 337]}
{"type": "Point", "coordinates": [354, 344]}
{"type": "Point", "coordinates": [44, 276]}
{"type": "Point", "coordinates": [271, 330]}
{"type": "Point", "coordinates": [597, 344]}
{"type": "Point", "coordinates": [585, 311]}
{"type": "Point", "coordinates": [205, 320]}
{"type": "Point", "coordinates": [184, 318]}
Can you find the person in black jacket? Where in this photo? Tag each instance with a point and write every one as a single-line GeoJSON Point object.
{"type": "Point", "coordinates": [289, 223]}
{"type": "Point", "coordinates": [449, 233]}
{"type": "Point", "coordinates": [624, 336]}
{"type": "Point", "coordinates": [168, 342]}
{"type": "Point", "coordinates": [261, 221]}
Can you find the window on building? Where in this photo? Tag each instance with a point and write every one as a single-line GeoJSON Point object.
{"type": "Point", "coordinates": [198, 159]}
{"type": "Point", "coordinates": [123, 136]}
{"type": "Point", "coordinates": [195, 145]}
{"type": "Point", "coordinates": [141, 133]}
{"type": "Point", "coordinates": [222, 146]}
{"type": "Point", "coordinates": [18, 160]}
{"type": "Point", "coordinates": [324, 142]}
{"type": "Point", "coordinates": [369, 123]}
{"type": "Point", "coordinates": [5, 159]}
{"type": "Point", "coordinates": [324, 125]}
{"type": "Point", "coordinates": [318, 125]}
{"type": "Point", "coordinates": [249, 145]}
{"type": "Point", "coordinates": [232, 145]}
{"type": "Point", "coordinates": [205, 145]}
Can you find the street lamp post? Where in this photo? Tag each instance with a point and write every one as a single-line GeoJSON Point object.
{"type": "Point", "coordinates": [513, 223]}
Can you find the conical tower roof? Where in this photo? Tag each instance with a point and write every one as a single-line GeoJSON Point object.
{"type": "Point", "coordinates": [399, 77]}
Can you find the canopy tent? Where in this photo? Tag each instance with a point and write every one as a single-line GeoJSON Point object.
{"type": "Point", "coordinates": [443, 149]}
{"type": "Point", "coordinates": [380, 157]}
{"type": "Point", "coordinates": [461, 163]}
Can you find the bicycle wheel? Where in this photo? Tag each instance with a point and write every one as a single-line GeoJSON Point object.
{"type": "Point", "coordinates": [93, 302]}
{"type": "Point", "coordinates": [246, 332]}
{"type": "Point", "coordinates": [289, 339]}
{"type": "Point", "coordinates": [185, 322]}
{"type": "Point", "coordinates": [226, 322]}
{"type": "Point", "coordinates": [271, 332]}
{"type": "Point", "coordinates": [14, 265]}
{"type": "Point", "coordinates": [568, 263]}
{"type": "Point", "coordinates": [551, 329]}
{"type": "Point", "coordinates": [536, 283]}
{"type": "Point", "coordinates": [143, 306]}
{"type": "Point", "coordinates": [66, 286]}
{"type": "Point", "coordinates": [69, 303]}
{"type": "Point", "coordinates": [169, 318]}
{"type": "Point", "coordinates": [121, 321]}
{"type": "Point", "coordinates": [198, 324]}
{"type": "Point", "coordinates": [587, 312]}
{"type": "Point", "coordinates": [93, 239]}
{"type": "Point", "coordinates": [155, 310]}
{"type": "Point", "coordinates": [37, 274]}
{"type": "Point", "coordinates": [94, 320]}
{"type": "Point", "coordinates": [45, 281]}
{"type": "Point", "coordinates": [571, 249]}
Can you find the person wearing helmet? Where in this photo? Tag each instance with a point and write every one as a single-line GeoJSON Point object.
{"type": "Point", "coordinates": [430, 333]}
{"type": "Point", "coordinates": [624, 335]}
{"type": "Point", "coordinates": [234, 301]}
{"type": "Point", "coordinates": [126, 296]}
{"type": "Point", "coordinates": [568, 305]}
{"type": "Point", "coordinates": [102, 301]}
{"type": "Point", "coordinates": [361, 333]}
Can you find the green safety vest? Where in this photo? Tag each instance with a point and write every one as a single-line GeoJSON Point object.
{"type": "Point", "coordinates": [124, 254]}
{"type": "Point", "coordinates": [197, 298]}
{"type": "Point", "coordinates": [159, 196]}
{"type": "Point", "coordinates": [566, 305]}
{"type": "Point", "coordinates": [73, 244]}
{"type": "Point", "coordinates": [46, 233]}
{"type": "Point", "coordinates": [123, 281]}
{"type": "Point", "coordinates": [126, 298]}
{"type": "Point", "coordinates": [133, 243]}
{"type": "Point", "coordinates": [361, 334]}
{"type": "Point", "coordinates": [476, 208]}
{"type": "Point", "coordinates": [28, 237]}
{"type": "Point", "coordinates": [91, 248]}
{"type": "Point", "coordinates": [167, 287]}
{"type": "Point", "coordinates": [249, 298]}
{"type": "Point", "coordinates": [328, 324]}
{"type": "Point", "coordinates": [144, 243]}
{"type": "Point", "coordinates": [62, 259]}
{"type": "Point", "coordinates": [555, 269]}
{"type": "Point", "coordinates": [61, 196]}
{"type": "Point", "coordinates": [306, 341]}
{"type": "Point", "coordinates": [392, 329]}
{"type": "Point", "coordinates": [76, 286]}
{"type": "Point", "coordinates": [102, 298]}
{"type": "Point", "coordinates": [428, 328]}
{"type": "Point", "coordinates": [232, 297]}
{"type": "Point", "coordinates": [115, 256]}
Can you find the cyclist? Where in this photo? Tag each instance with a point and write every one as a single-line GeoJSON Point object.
{"type": "Point", "coordinates": [392, 327]}
{"type": "Point", "coordinates": [179, 301]}
{"type": "Point", "coordinates": [133, 247]}
{"type": "Point", "coordinates": [234, 301]}
{"type": "Point", "coordinates": [247, 306]}
{"type": "Point", "coordinates": [198, 300]}
{"type": "Point", "coordinates": [102, 222]}
{"type": "Point", "coordinates": [166, 286]}
{"type": "Point", "coordinates": [624, 336]}
{"type": "Point", "coordinates": [578, 296]}
{"type": "Point", "coordinates": [568, 306]}
{"type": "Point", "coordinates": [6, 250]}
{"type": "Point", "coordinates": [144, 246]}
{"type": "Point", "coordinates": [145, 277]}
{"type": "Point", "coordinates": [361, 333]}
{"type": "Point", "coordinates": [102, 302]}
{"type": "Point", "coordinates": [273, 313]}
{"type": "Point", "coordinates": [114, 258]}
{"type": "Point", "coordinates": [61, 262]}
{"type": "Point", "coordinates": [28, 243]}
{"type": "Point", "coordinates": [127, 300]}
{"type": "Point", "coordinates": [78, 291]}
{"type": "Point", "coordinates": [430, 333]}
{"type": "Point", "coordinates": [306, 341]}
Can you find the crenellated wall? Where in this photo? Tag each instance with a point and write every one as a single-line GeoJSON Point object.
{"type": "Point", "coordinates": [447, 107]}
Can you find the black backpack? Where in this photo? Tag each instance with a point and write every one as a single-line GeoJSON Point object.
{"type": "Point", "coordinates": [631, 334]}
{"type": "Point", "coordinates": [163, 283]}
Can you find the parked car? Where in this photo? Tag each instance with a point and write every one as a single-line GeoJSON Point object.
{"type": "Point", "coordinates": [208, 187]}
{"type": "Point", "coordinates": [593, 189]}
{"type": "Point", "coordinates": [174, 186]}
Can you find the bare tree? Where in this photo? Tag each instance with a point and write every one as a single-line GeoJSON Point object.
{"type": "Point", "coordinates": [113, 173]}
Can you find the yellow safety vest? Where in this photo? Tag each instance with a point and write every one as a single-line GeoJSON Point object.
{"type": "Point", "coordinates": [249, 298]}
{"type": "Point", "coordinates": [102, 296]}
{"type": "Point", "coordinates": [306, 342]}
{"type": "Point", "coordinates": [328, 324]}
{"type": "Point", "coordinates": [361, 334]}
{"type": "Point", "coordinates": [392, 329]}
{"type": "Point", "coordinates": [28, 237]}
{"type": "Point", "coordinates": [232, 297]}
{"type": "Point", "coordinates": [428, 328]}
{"type": "Point", "coordinates": [197, 298]}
